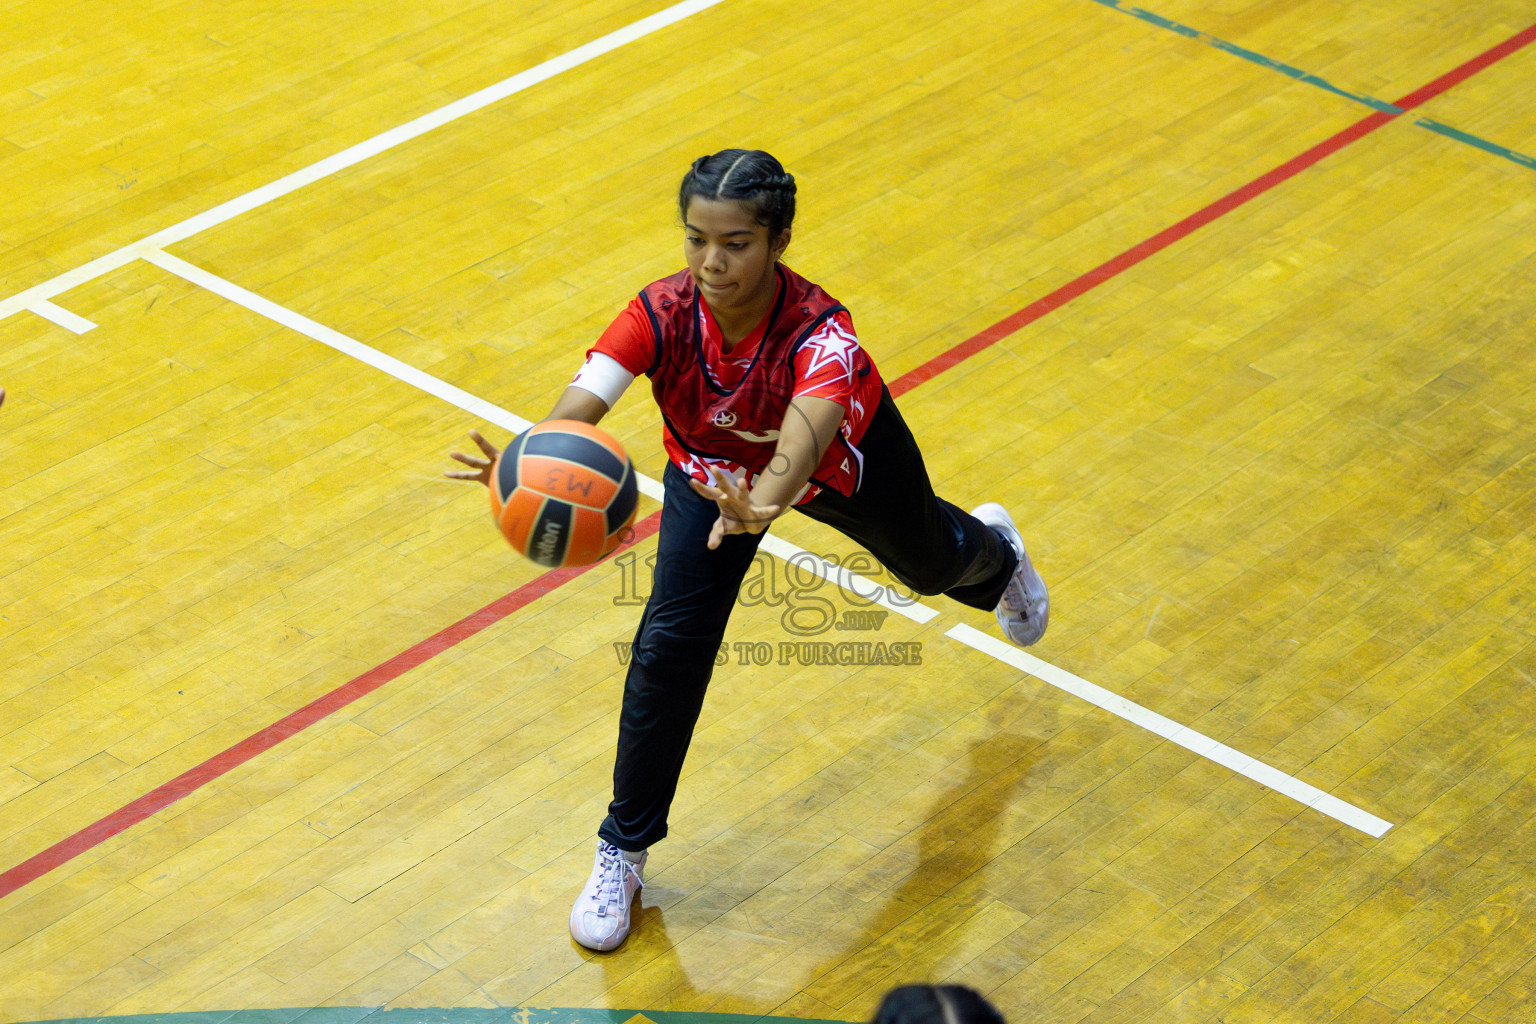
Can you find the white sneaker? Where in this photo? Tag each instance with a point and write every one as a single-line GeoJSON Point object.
{"type": "Point", "coordinates": [600, 918]}
{"type": "Point", "coordinates": [1026, 607]}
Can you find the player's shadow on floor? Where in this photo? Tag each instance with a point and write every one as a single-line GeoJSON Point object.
{"type": "Point", "coordinates": [961, 834]}
{"type": "Point", "coordinates": [868, 951]}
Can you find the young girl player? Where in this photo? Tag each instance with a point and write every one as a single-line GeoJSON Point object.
{"type": "Point", "coordinates": [768, 402]}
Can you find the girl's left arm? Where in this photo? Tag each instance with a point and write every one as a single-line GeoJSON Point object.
{"type": "Point", "coordinates": [807, 431]}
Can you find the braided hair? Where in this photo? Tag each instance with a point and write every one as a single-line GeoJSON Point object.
{"type": "Point", "coordinates": [749, 176]}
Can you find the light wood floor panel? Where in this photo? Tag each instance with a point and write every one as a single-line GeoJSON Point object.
{"type": "Point", "coordinates": [1278, 476]}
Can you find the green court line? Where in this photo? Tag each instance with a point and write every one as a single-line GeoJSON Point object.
{"type": "Point", "coordinates": [1310, 79]}
{"type": "Point", "coordinates": [1483, 144]}
{"type": "Point", "coordinates": [1249, 55]}
{"type": "Point", "coordinates": [434, 1015]}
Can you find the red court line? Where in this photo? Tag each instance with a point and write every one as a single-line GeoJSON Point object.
{"type": "Point", "coordinates": [219, 764]}
{"type": "Point", "coordinates": [188, 782]}
{"type": "Point", "coordinates": [1220, 208]}
{"type": "Point", "coordinates": [1460, 74]}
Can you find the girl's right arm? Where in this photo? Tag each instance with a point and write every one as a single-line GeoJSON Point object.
{"type": "Point", "coordinates": [574, 404]}
{"type": "Point", "coordinates": [597, 387]}
{"type": "Point", "coordinates": [578, 404]}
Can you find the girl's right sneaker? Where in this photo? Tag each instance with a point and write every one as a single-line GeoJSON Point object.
{"type": "Point", "coordinates": [600, 918]}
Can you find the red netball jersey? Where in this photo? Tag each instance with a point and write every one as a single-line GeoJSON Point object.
{"type": "Point", "coordinates": [725, 408]}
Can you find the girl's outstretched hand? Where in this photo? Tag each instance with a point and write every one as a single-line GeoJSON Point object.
{"type": "Point", "coordinates": [737, 513]}
{"type": "Point", "coordinates": [479, 468]}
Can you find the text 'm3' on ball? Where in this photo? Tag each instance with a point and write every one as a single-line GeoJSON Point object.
{"type": "Point", "coordinates": [564, 493]}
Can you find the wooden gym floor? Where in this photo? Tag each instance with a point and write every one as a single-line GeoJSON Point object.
{"type": "Point", "coordinates": [1230, 301]}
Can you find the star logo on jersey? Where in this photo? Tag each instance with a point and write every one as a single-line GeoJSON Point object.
{"type": "Point", "coordinates": [724, 418]}
{"type": "Point", "coordinates": [832, 346]}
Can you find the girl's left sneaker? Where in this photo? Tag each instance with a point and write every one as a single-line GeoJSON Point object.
{"type": "Point", "coordinates": [1025, 608]}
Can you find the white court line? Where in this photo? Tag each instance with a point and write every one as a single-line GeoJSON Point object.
{"type": "Point", "coordinates": [61, 316]}
{"type": "Point", "coordinates": [338, 341]}
{"type": "Point", "coordinates": [1172, 731]}
{"type": "Point", "coordinates": [1196, 742]}
{"type": "Point", "coordinates": [38, 294]}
